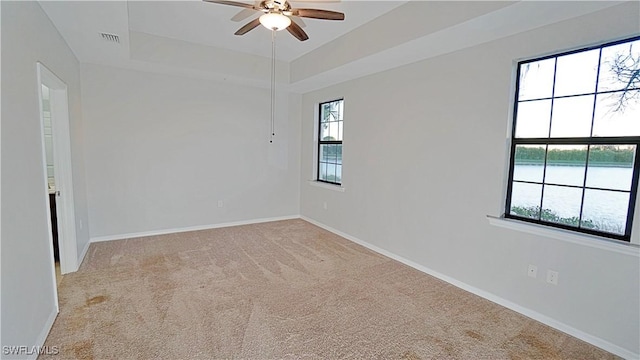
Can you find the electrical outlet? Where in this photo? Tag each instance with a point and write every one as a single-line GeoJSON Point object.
{"type": "Point", "coordinates": [220, 203]}
{"type": "Point", "coordinates": [532, 271]}
{"type": "Point", "coordinates": [552, 277]}
{"type": "Point", "coordinates": [324, 205]}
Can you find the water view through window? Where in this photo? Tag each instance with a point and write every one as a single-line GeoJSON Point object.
{"type": "Point", "coordinates": [606, 190]}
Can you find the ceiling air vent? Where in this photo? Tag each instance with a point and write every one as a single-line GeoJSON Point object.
{"type": "Point", "coordinates": [110, 37]}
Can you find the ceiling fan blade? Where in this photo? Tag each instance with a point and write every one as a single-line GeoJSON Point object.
{"type": "Point", "coordinates": [318, 14]}
{"type": "Point", "coordinates": [295, 30]}
{"type": "Point", "coordinates": [232, 3]}
{"type": "Point", "coordinates": [248, 27]}
{"type": "Point", "coordinates": [243, 14]}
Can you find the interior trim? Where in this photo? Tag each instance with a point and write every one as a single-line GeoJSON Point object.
{"type": "Point", "coordinates": [597, 242]}
{"type": "Point", "coordinates": [324, 185]}
{"type": "Point", "coordinates": [189, 228]}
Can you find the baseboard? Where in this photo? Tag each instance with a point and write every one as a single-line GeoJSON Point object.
{"type": "Point", "coordinates": [189, 228]}
{"type": "Point", "coordinates": [596, 341]}
{"type": "Point", "coordinates": [42, 337]}
{"type": "Point", "coordinates": [83, 254]}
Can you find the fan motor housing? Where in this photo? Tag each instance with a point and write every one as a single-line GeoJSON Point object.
{"type": "Point", "coordinates": [278, 5]}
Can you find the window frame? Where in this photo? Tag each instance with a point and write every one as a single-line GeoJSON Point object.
{"type": "Point", "coordinates": [588, 141]}
{"type": "Point", "coordinates": [326, 142]}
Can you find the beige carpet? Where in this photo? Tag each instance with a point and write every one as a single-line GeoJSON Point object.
{"type": "Point", "coordinates": [284, 289]}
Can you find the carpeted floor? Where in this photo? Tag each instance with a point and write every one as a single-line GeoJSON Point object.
{"type": "Point", "coordinates": [285, 289]}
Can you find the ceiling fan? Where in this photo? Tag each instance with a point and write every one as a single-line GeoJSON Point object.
{"type": "Point", "coordinates": [278, 14]}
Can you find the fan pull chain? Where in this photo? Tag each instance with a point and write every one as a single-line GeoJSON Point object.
{"type": "Point", "coordinates": [273, 84]}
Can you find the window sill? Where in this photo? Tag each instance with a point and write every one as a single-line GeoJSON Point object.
{"type": "Point", "coordinates": [568, 236]}
{"type": "Point", "coordinates": [333, 187]}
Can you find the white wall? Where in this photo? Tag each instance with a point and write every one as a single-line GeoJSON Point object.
{"type": "Point", "coordinates": [424, 163]}
{"type": "Point", "coordinates": [162, 150]}
{"type": "Point", "coordinates": [28, 303]}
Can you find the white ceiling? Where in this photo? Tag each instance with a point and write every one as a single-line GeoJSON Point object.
{"type": "Point", "coordinates": [195, 38]}
{"type": "Point", "coordinates": [198, 22]}
{"type": "Point", "coordinates": [211, 24]}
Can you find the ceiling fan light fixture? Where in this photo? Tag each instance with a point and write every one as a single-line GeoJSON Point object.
{"type": "Point", "coordinates": [275, 21]}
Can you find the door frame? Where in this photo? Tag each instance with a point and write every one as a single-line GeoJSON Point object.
{"type": "Point", "coordinates": [62, 164]}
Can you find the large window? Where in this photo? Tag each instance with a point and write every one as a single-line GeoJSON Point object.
{"type": "Point", "coordinates": [330, 142]}
{"type": "Point", "coordinates": [576, 133]}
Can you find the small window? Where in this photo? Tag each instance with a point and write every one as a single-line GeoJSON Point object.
{"type": "Point", "coordinates": [574, 151]}
{"type": "Point", "coordinates": [330, 142]}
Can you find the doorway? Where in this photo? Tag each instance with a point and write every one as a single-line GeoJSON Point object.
{"type": "Point", "coordinates": [51, 181]}
{"type": "Point", "coordinates": [56, 141]}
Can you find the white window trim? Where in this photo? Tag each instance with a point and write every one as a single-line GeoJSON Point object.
{"type": "Point", "coordinates": [593, 241]}
{"type": "Point", "coordinates": [324, 185]}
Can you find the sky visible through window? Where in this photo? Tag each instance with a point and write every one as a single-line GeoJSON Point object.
{"type": "Point", "coordinates": [576, 78]}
